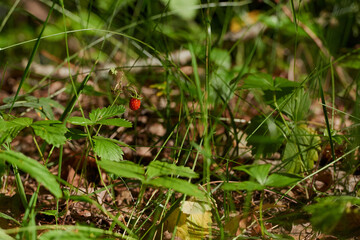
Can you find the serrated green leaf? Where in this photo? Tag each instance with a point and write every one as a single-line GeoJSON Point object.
{"type": "Point", "coordinates": [107, 149]}
{"type": "Point", "coordinates": [107, 112]}
{"type": "Point", "coordinates": [300, 151]}
{"type": "Point", "coordinates": [80, 121]}
{"type": "Point", "coordinates": [118, 122]}
{"type": "Point", "coordinates": [157, 168]}
{"type": "Point", "coordinates": [261, 81]}
{"type": "Point", "coordinates": [179, 185]}
{"type": "Point", "coordinates": [123, 169]}
{"type": "Point", "coordinates": [35, 169]}
{"type": "Point", "coordinates": [328, 212]}
{"type": "Point", "coordinates": [10, 129]}
{"type": "Point", "coordinates": [246, 185]}
{"type": "Point", "coordinates": [297, 106]}
{"type": "Point", "coordinates": [53, 132]}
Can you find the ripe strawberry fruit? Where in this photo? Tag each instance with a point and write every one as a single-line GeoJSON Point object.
{"type": "Point", "coordinates": [134, 103]}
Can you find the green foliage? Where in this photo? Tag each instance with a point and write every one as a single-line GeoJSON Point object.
{"type": "Point", "coordinates": [52, 131]}
{"type": "Point", "coordinates": [262, 179]}
{"type": "Point", "coordinates": [301, 150]}
{"type": "Point", "coordinates": [157, 168]}
{"type": "Point", "coordinates": [107, 149]}
{"type": "Point", "coordinates": [156, 175]}
{"type": "Point", "coordinates": [123, 169]}
{"type": "Point", "coordinates": [35, 169]}
{"type": "Point", "coordinates": [328, 212]}
{"type": "Point", "coordinates": [10, 129]}
{"type": "Point", "coordinates": [107, 112]}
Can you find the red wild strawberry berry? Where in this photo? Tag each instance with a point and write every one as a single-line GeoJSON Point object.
{"type": "Point", "coordinates": [134, 103]}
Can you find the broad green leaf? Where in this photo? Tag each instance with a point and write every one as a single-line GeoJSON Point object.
{"type": "Point", "coordinates": [282, 180]}
{"type": "Point", "coordinates": [80, 121]}
{"type": "Point", "coordinates": [221, 58]}
{"type": "Point", "coordinates": [261, 81]}
{"type": "Point", "coordinates": [301, 150]}
{"type": "Point", "coordinates": [107, 149]}
{"type": "Point", "coordinates": [35, 169]}
{"type": "Point", "coordinates": [259, 172]}
{"type": "Point", "coordinates": [123, 169]}
{"type": "Point", "coordinates": [4, 236]}
{"type": "Point", "coordinates": [10, 129]}
{"type": "Point", "coordinates": [184, 8]}
{"type": "Point", "coordinates": [298, 105]}
{"type": "Point", "coordinates": [107, 112]}
{"type": "Point", "coordinates": [179, 185]}
{"type": "Point", "coordinates": [53, 132]}
{"type": "Point", "coordinates": [157, 168]}
{"type": "Point", "coordinates": [118, 122]}
{"type": "Point", "coordinates": [246, 185]}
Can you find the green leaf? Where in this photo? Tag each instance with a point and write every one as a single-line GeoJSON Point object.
{"type": "Point", "coordinates": [327, 213]}
{"type": "Point", "coordinates": [103, 113]}
{"type": "Point", "coordinates": [282, 180]}
{"type": "Point", "coordinates": [261, 81]}
{"type": "Point", "coordinates": [157, 168]}
{"type": "Point", "coordinates": [53, 132]}
{"type": "Point", "coordinates": [7, 217]}
{"type": "Point", "coordinates": [10, 129]}
{"type": "Point", "coordinates": [123, 169]}
{"type": "Point", "coordinates": [4, 236]}
{"type": "Point", "coordinates": [246, 185]}
{"type": "Point", "coordinates": [107, 149]}
{"type": "Point", "coordinates": [298, 105]}
{"type": "Point", "coordinates": [75, 134]}
{"type": "Point", "coordinates": [259, 172]}
{"type": "Point", "coordinates": [301, 150]}
{"type": "Point", "coordinates": [184, 8]}
{"type": "Point", "coordinates": [35, 169]}
{"type": "Point", "coordinates": [118, 122]}
{"type": "Point", "coordinates": [80, 121]}
{"type": "Point", "coordinates": [179, 185]}
{"type": "Point", "coordinates": [75, 234]}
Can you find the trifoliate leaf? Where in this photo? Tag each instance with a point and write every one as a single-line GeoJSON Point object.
{"type": "Point", "coordinates": [118, 122]}
{"type": "Point", "coordinates": [53, 132]}
{"type": "Point", "coordinates": [123, 169]}
{"type": "Point", "coordinates": [80, 121]}
{"type": "Point", "coordinates": [35, 169]}
{"type": "Point", "coordinates": [157, 168]}
{"type": "Point", "coordinates": [179, 185]}
{"type": "Point", "coordinates": [107, 149]}
{"type": "Point", "coordinates": [107, 112]}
